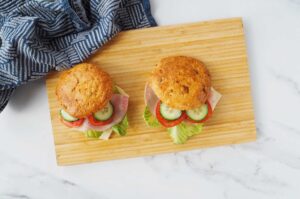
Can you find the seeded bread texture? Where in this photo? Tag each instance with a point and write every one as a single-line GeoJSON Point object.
{"type": "Point", "coordinates": [84, 89]}
{"type": "Point", "coordinates": [181, 82]}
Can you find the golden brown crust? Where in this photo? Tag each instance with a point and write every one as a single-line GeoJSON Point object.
{"type": "Point", "coordinates": [181, 82]}
{"type": "Point", "coordinates": [84, 89]}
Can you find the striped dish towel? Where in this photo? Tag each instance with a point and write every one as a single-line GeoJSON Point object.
{"type": "Point", "coordinates": [37, 36]}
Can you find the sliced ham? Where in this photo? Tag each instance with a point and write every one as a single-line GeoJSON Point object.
{"type": "Point", "coordinates": [120, 103]}
{"type": "Point", "coordinates": [151, 99]}
{"type": "Point", "coordinates": [214, 98]}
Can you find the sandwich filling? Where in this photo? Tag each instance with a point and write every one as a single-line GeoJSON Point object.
{"type": "Point", "coordinates": [181, 124]}
{"type": "Point", "coordinates": [101, 124]}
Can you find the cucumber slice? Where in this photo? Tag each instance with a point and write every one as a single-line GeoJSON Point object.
{"type": "Point", "coordinates": [105, 113]}
{"type": "Point", "coordinates": [169, 113]}
{"type": "Point", "coordinates": [198, 114]}
{"type": "Point", "coordinates": [66, 116]}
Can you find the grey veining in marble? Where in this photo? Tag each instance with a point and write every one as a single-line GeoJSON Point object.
{"type": "Point", "coordinates": [21, 181]}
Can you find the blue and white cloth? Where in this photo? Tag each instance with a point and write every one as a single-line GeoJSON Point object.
{"type": "Point", "coordinates": [37, 36]}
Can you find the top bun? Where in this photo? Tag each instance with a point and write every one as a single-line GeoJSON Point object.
{"type": "Point", "coordinates": [181, 82]}
{"type": "Point", "coordinates": [84, 89]}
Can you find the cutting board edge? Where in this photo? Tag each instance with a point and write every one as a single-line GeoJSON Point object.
{"type": "Point", "coordinates": [249, 139]}
{"type": "Point", "coordinates": [240, 19]}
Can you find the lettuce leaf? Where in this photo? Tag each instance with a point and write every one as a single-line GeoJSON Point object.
{"type": "Point", "coordinates": [121, 128]}
{"type": "Point", "coordinates": [118, 90]}
{"type": "Point", "coordinates": [182, 132]}
{"type": "Point", "coordinates": [92, 134]}
{"type": "Point", "coordinates": [150, 119]}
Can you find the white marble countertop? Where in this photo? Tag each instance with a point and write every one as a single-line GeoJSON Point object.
{"type": "Point", "coordinates": [268, 168]}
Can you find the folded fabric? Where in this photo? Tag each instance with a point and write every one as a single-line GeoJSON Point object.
{"type": "Point", "coordinates": [37, 36]}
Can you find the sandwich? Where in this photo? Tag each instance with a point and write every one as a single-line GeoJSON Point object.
{"type": "Point", "coordinates": [179, 96]}
{"type": "Point", "coordinates": [91, 102]}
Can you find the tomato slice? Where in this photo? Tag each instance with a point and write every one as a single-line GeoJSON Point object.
{"type": "Point", "coordinates": [168, 123]}
{"type": "Point", "coordinates": [209, 114]}
{"type": "Point", "coordinates": [93, 121]}
{"type": "Point", "coordinates": [77, 123]}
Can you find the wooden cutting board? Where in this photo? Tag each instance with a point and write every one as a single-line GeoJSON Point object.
{"type": "Point", "coordinates": [130, 57]}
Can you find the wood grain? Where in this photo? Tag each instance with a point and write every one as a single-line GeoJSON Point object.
{"type": "Point", "coordinates": [131, 56]}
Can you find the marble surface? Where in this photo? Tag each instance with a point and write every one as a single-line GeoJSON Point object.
{"type": "Point", "coordinates": [267, 168]}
